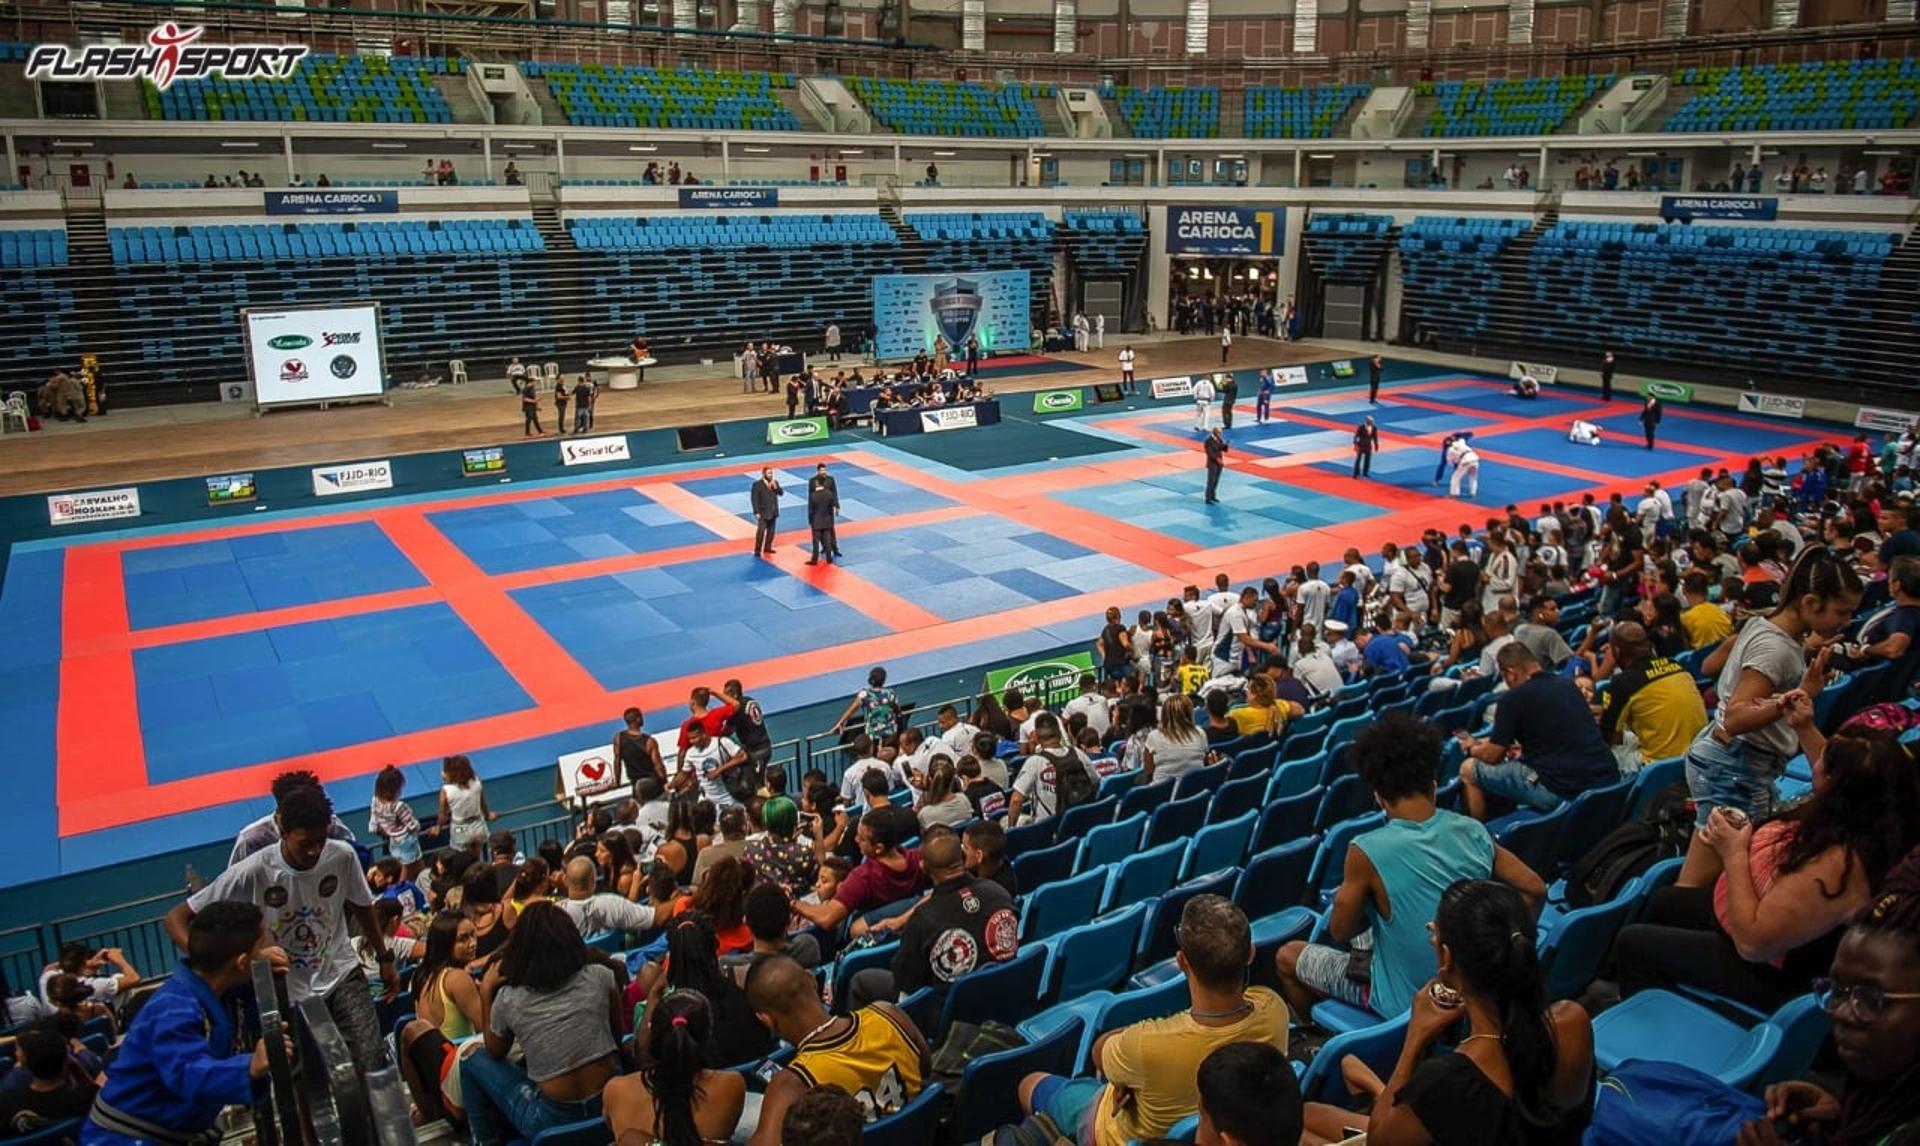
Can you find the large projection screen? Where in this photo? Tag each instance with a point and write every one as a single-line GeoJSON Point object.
{"type": "Point", "coordinates": [909, 311]}
{"type": "Point", "coordinates": [301, 355]}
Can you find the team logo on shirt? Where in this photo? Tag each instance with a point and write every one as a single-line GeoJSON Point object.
{"type": "Point", "coordinates": [1003, 934]}
{"type": "Point", "coordinates": [953, 954]}
{"type": "Point", "coordinates": [276, 897]}
{"type": "Point", "coordinates": [329, 885]}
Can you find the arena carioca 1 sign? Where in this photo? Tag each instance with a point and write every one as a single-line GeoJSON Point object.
{"type": "Point", "coordinates": [1207, 229]}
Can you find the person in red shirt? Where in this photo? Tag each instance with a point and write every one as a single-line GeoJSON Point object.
{"type": "Point", "coordinates": [888, 874]}
{"type": "Point", "coordinates": [1859, 462]}
{"type": "Point", "coordinates": [716, 718]}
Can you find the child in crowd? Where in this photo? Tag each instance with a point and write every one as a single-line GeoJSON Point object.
{"type": "Point", "coordinates": [1189, 672]}
{"type": "Point", "coordinates": [368, 951]}
{"type": "Point", "coordinates": [391, 818]}
{"type": "Point", "coordinates": [833, 869]}
{"type": "Point", "coordinates": [390, 879]}
{"type": "Point", "coordinates": [464, 814]}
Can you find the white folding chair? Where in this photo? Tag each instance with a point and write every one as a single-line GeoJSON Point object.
{"type": "Point", "coordinates": [550, 371]}
{"type": "Point", "coordinates": [13, 417]}
{"type": "Point", "coordinates": [457, 371]}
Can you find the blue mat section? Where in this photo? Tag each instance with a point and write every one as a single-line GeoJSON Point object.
{"type": "Point", "coordinates": [1504, 404]}
{"type": "Point", "coordinates": [1249, 509]}
{"type": "Point", "coordinates": [225, 702]}
{"type": "Point", "coordinates": [979, 565]}
{"type": "Point", "coordinates": [1716, 437]}
{"type": "Point", "coordinates": [864, 495]}
{"type": "Point", "coordinates": [1500, 484]}
{"type": "Point", "coordinates": [1617, 455]}
{"type": "Point", "coordinates": [1419, 420]}
{"type": "Point", "coordinates": [174, 584]}
{"type": "Point", "coordinates": [547, 531]}
{"type": "Point", "coordinates": [30, 607]}
{"type": "Point", "coordinates": [654, 624]}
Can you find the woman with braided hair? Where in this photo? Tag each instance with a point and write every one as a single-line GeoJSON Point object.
{"type": "Point", "coordinates": [1873, 999]}
{"type": "Point", "coordinates": [675, 1099]}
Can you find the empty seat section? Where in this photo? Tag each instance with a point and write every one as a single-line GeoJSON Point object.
{"type": "Point", "coordinates": [1827, 95]}
{"type": "Point", "coordinates": [1449, 267]}
{"type": "Point", "coordinates": [1299, 113]}
{"type": "Point", "coordinates": [941, 107]}
{"type": "Point", "coordinates": [597, 95]}
{"type": "Point", "coordinates": [323, 88]}
{"type": "Point", "coordinates": [1172, 113]}
{"type": "Point", "coordinates": [1535, 106]}
{"type": "Point", "coordinates": [1347, 249]}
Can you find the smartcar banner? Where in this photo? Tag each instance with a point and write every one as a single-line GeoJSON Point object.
{"type": "Point", "coordinates": [589, 451]}
{"type": "Point", "coordinates": [910, 311]}
{"type": "Point", "coordinates": [1210, 229]}
{"type": "Point", "coordinates": [98, 505]}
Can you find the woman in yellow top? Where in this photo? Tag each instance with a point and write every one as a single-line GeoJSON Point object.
{"type": "Point", "coordinates": [530, 886]}
{"type": "Point", "coordinates": [447, 1013]}
{"type": "Point", "coordinates": [1263, 712]}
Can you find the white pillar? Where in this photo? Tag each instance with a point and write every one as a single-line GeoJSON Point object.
{"type": "Point", "coordinates": [973, 25]}
{"type": "Point", "coordinates": [899, 170]}
{"type": "Point", "coordinates": [286, 153]}
{"type": "Point", "coordinates": [1066, 26]}
{"type": "Point", "coordinates": [559, 160]}
{"type": "Point", "coordinates": [486, 153]}
{"type": "Point", "coordinates": [1298, 159]}
{"type": "Point", "coordinates": [1199, 14]}
{"type": "Point", "coordinates": [726, 162]}
{"type": "Point", "coordinates": [13, 161]}
{"type": "Point", "coordinates": [1540, 172]}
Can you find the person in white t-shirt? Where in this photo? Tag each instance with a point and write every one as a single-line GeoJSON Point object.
{"type": "Point", "coordinates": [104, 973]}
{"type": "Point", "coordinates": [710, 758]}
{"type": "Point", "coordinates": [954, 732]}
{"type": "Point", "coordinates": [516, 374]}
{"type": "Point", "coordinates": [1362, 573]}
{"type": "Point", "coordinates": [306, 887]}
{"type": "Point", "coordinates": [1313, 595]}
{"type": "Point", "coordinates": [1035, 795]}
{"type": "Point", "coordinates": [865, 759]}
{"type": "Point", "coordinates": [914, 757]}
{"type": "Point", "coordinates": [1092, 703]}
{"type": "Point", "coordinates": [1221, 599]}
{"type": "Point", "coordinates": [1127, 385]}
{"type": "Point", "coordinates": [1243, 623]}
{"type": "Point", "coordinates": [1407, 587]}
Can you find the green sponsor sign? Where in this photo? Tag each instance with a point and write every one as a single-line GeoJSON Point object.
{"type": "Point", "coordinates": [786, 432]}
{"type": "Point", "coordinates": [1056, 401]}
{"type": "Point", "coordinates": [1052, 682]}
{"type": "Point", "coordinates": [1667, 391]}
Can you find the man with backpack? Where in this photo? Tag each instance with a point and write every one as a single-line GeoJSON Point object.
{"type": "Point", "coordinates": [1052, 780]}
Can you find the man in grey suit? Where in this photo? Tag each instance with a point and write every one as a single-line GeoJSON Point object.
{"type": "Point", "coordinates": [766, 511]}
{"type": "Point", "coordinates": [820, 505]}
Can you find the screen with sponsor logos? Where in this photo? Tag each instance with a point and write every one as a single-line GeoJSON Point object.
{"type": "Point", "coordinates": [479, 463]}
{"type": "Point", "coordinates": [316, 354]}
{"type": "Point", "coordinates": [229, 488]}
{"type": "Point", "coordinates": [910, 311]}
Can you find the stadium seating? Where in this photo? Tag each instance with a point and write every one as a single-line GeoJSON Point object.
{"type": "Point", "coordinates": [958, 242]}
{"type": "Point", "coordinates": [1449, 267]}
{"type": "Point", "coordinates": [36, 310]}
{"type": "Point", "coordinates": [599, 96]}
{"type": "Point", "coordinates": [1506, 107]}
{"type": "Point", "coordinates": [1347, 248]}
{"type": "Point", "coordinates": [1103, 243]}
{"type": "Point", "coordinates": [38, 247]}
{"type": "Point", "coordinates": [939, 107]}
{"type": "Point", "coordinates": [1172, 113]}
{"type": "Point", "coordinates": [1783, 296]}
{"type": "Point", "coordinates": [324, 88]}
{"type": "Point", "coordinates": [1834, 95]}
{"type": "Point", "coordinates": [1299, 113]}
{"type": "Point", "coordinates": [713, 231]}
{"type": "Point", "coordinates": [1021, 225]}
{"type": "Point", "coordinates": [302, 242]}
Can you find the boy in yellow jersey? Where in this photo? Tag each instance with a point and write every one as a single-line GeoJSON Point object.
{"type": "Point", "coordinates": [875, 1054]}
{"type": "Point", "coordinates": [1190, 675]}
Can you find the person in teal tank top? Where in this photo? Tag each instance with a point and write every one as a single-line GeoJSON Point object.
{"type": "Point", "coordinates": [1394, 876]}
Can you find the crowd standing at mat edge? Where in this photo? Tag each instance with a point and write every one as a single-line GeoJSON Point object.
{"type": "Point", "coordinates": [1738, 653]}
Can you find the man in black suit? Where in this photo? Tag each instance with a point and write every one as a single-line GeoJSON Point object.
{"type": "Point", "coordinates": [820, 507]}
{"type": "Point", "coordinates": [1366, 440]}
{"type": "Point", "coordinates": [1229, 394]}
{"type": "Point", "coordinates": [1373, 378]}
{"type": "Point", "coordinates": [766, 511]}
{"type": "Point", "coordinates": [1650, 414]}
{"type": "Point", "coordinates": [1606, 377]}
{"type": "Point", "coordinates": [1216, 447]}
{"type": "Point", "coordinates": [821, 475]}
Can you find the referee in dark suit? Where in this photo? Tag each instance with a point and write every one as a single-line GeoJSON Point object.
{"type": "Point", "coordinates": [1216, 447]}
{"type": "Point", "coordinates": [766, 511]}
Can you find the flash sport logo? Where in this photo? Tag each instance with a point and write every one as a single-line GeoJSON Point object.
{"type": "Point", "coordinates": [168, 55]}
{"type": "Point", "coordinates": [346, 338]}
{"type": "Point", "coordinates": [956, 308]}
{"type": "Point", "coordinates": [293, 370]}
{"type": "Point", "coordinates": [343, 366]}
{"type": "Point", "coordinates": [289, 342]}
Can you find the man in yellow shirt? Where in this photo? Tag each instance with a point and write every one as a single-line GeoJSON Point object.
{"type": "Point", "coordinates": [1705, 622]}
{"type": "Point", "coordinates": [1150, 1067]}
{"type": "Point", "coordinates": [1651, 697]}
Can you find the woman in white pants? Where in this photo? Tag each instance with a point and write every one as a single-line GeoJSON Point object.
{"type": "Point", "coordinates": [1466, 467]}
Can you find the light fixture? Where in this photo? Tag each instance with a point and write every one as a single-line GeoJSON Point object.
{"type": "Point", "coordinates": [239, 143]}
{"type": "Point", "coordinates": [1321, 155]}
{"type": "Point", "coordinates": [72, 143]}
{"type": "Point", "coordinates": [1043, 155]}
{"type": "Point", "coordinates": [1643, 155]}
{"type": "Point", "coordinates": [943, 155]}
{"type": "Point", "coordinates": [853, 151]}
{"type": "Point", "coordinates": [385, 146]}
{"type": "Point", "coordinates": [1231, 155]}
{"type": "Point", "coordinates": [642, 147]}
{"type": "Point", "coordinates": [519, 146]}
{"type": "Point", "coordinates": [756, 150]}
{"type": "Point", "coordinates": [1877, 151]}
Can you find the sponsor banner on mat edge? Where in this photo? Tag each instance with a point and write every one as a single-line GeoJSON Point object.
{"type": "Point", "coordinates": [787, 431]}
{"type": "Point", "coordinates": [97, 505]}
{"type": "Point", "coordinates": [957, 418]}
{"type": "Point", "coordinates": [1773, 405]}
{"type": "Point", "coordinates": [589, 774]}
{"type": "Point", "coordinates": [1541, 371]}
{"type": "Point", "coordinates": [354, 477]}
{"type": "Point", "coordinates": [1667, 391]}
{"type": "Point", "coordinates": [1178, 386]}
{"type": "Point", "coordinates": [1058, 678]}
{"type": "Point", "coordinates": [1057, 401]}
{"type": "Point", "coordinates": [1875, 418]}
{"type": "Point", "coordinates": [1289, 376]}
{"type": "Point", "coordinates": [589, 451]}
